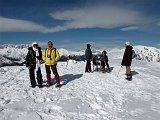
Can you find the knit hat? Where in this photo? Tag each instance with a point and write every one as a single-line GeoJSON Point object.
{"type": "Point", "coordinates": [127, 43]}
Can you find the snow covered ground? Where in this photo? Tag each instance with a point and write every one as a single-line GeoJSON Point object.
{"type": "Point", "coordinates": [83, 96]}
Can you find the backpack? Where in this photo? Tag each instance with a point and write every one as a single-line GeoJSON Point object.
{"type": "Point", "coordinates": [51, 52]}
{"type": "Point", "coordinates": [95, 60]}
{"type": "Point", "coordinates": [133, 54]}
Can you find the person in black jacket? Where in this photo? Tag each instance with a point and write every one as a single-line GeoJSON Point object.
{"type": "Point", "coordinates": [127, 59]}
{"type": "Point", "coordinates": [33, 62]}
{"type": "Point", "coordinates": [88, 54]}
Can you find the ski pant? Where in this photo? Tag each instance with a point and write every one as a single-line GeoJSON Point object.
{"type": "Point", "coordinates": [103, 64]}
{"type": "Point", "coordinates": [32, 76]}
{"type": "Point", "coordinates": [54, 70]}
{"type": "Point", "coordinates": [88, 66]}
{"type": "Point", "coordinates": [128, 70]}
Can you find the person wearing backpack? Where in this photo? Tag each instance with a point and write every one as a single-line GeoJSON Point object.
{"type": "Point", "coordinates": [50, 57]}
{"type": "Point", "coordinates": [88, 54]}
{"type": "Point", "coordinates": [33, 63]}
{"type": "Point", "coordinates": [104, 61]}
{"type": "Point", "coordinates": [127, 59]}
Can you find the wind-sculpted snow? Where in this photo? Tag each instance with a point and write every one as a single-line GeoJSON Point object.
{"type": "Point", "coordinates": [83, 96]}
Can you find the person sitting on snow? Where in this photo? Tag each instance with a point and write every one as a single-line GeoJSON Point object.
{"type": "Point", "coordinates": [104, 61]}
{"type": "Point", "coordinates": [33, 62]}
{"type": "Point", "coordinates": [96, 62]}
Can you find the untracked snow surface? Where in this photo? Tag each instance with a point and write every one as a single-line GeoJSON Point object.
{"type": "Point", "coordinates": [83, 96]}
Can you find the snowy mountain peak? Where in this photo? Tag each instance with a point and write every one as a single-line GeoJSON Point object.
{"type": "Point", "coordinates": [17, 53]}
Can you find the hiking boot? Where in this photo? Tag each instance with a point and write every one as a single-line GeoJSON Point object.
{"type": "Point", "coordinates": [58, 85]}
{"type": "Point", "coordinates": [40, 86]}
{"type": "Point", "coordinates": [129, 77]}
{"type": "Point", "coordinates": [48, 84]}
{"type": "Point", "coordinates": [33, 86]}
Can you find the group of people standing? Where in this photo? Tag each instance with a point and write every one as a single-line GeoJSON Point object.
{"type": "Point", "coordinates": [50, 57]}
{"type": "Point", "coordinates": [35, 58]}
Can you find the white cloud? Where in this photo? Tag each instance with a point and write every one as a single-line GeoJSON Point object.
{"type": "Point", "coordinates": [99, 17]}
{"type": "Point", "coordinates": [158, 24]}
{"type": "Point", "coordinates": [14, 25]}
{"type": "Point", "coordinates": [129, 28]}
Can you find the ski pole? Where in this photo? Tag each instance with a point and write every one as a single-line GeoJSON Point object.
{"type": "Point", "coordinates": [119, 70]}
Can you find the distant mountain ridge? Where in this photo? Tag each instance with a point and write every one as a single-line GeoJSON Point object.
{"type": "Point", "coordinates": [15, 54]}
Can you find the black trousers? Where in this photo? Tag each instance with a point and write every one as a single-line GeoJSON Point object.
{"type": "Point", "coordinates": [103, 64]}
{"type": "Point", "coordinates": [53, 68]}
{"type": "Point", "coordinates": [32, 76]}
{"type": "Point", "coordinates": [88, 66]}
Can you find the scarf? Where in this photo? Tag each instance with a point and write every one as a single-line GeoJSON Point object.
{"type": "Point", "coordinates": [38, 65]}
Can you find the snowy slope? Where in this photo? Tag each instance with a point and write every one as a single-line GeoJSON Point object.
{"type": "Point", "coordinates": [83, 96]}
{"type": "Point", "coordinates": [148, 53]}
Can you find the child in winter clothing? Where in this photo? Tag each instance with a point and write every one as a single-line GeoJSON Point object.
{"type": "Point", "coordinates": [33, 62]}
{"type": "Point", "coordinates": [104, 60]}
{"type": "Point", "coordinates": [50, 57]}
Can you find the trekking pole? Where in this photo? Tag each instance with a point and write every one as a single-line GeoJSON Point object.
{"type": "Point", "coordinates": [119, 70]}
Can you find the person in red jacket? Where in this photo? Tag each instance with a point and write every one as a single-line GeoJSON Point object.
{"type": "Point", "coordinates": [104, 61]}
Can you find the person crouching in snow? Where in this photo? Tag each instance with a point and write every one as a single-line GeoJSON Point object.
{"type": "Point", "coordinates": [104, 61]}
{"type": "Point", "coordinates": [33, 62]}
{"type": "Point", "coordinates": [50, 57]}
{"type": "Point", "coordinates": [127, 59]}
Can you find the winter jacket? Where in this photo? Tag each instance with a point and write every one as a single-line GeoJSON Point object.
{"type": "Point", "coordinates": [88, 54]}
{"type": "Point", "coordinates": [31, 57]}
{"type": "Point", "coordinates": [127, 57]}
{"type": "Point", "coordinates": [50, 57]}
{"type": "Point", "coordinates": [104, 58]}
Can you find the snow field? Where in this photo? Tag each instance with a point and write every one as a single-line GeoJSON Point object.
{"type": "Point", "coordinates": [83, 96]}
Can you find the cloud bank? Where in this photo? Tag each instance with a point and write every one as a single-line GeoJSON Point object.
{"type": "Point", "coordinates": [14, 25]}
{"type": "Point", "coordinates": [102, 16]}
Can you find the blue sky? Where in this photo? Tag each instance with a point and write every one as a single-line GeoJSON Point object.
{"type": "Point", "coordinates": [71, 24]}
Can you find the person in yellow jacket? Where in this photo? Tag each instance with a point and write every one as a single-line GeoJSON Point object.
{"type": "Point", "coordinates": [50, 57]}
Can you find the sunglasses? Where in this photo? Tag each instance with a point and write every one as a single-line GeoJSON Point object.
{"type": "Point", "coordinates": [35, 45]}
